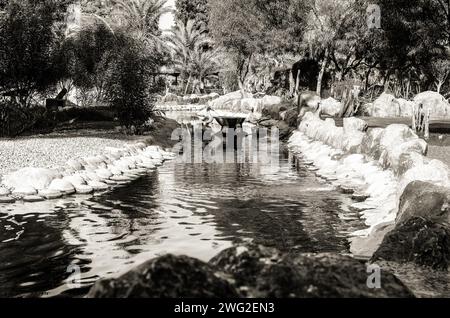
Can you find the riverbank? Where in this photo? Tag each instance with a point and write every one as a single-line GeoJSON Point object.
{"type": "Point", "coordinates": [388, 171]}
{"type": "Point", "coordinates": [54, 149]}
{"type": "Point", "coordinates": [79, 161]}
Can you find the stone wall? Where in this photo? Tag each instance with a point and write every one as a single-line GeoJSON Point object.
{"type": "Point", "coordinates": [376, 166]}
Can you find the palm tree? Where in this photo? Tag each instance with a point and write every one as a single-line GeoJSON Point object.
{"type": "Point", "coordinates": [142, 15]}
{"type": "Point", "coordinates": [191, 53]}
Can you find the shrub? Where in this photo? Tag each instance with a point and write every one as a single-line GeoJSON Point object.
{"type": "Point", "coordinates": [130, 88]}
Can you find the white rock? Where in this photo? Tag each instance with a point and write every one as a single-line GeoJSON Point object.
{"type": "Point", "coordinates": [271, 100]}
{"type": "Point", "coordinates": [37, 178]}
{"type": "Point", "coordinates": [103, 173]}
{"type": "Point", "coordinates": [433, 171]}
{"type": "Point", "coordinates": [438, 105]}
{"type": "Point", "coordinates": [98, 185]}
{"type": "Point", "coordinates": [330, 107]}
{"type": "Point", "coordinates": [32, 198]}
{"type": "Point", "coordinates": [4, 192]}
{"type": "Point", "coordinates": [114, 170]}
{"type": "Point", "coordinates": [75, 180]}
{"type": "Point", "coordinates": [50, 194]}
{"type": "Point", "coordinates": [406, 107]}
{"type": "Point", "coordinates": [75, 164]}
{"type": "Point", "coordinates": [24, 191]}
{"type": "Point", "coordinates": [354, 124]}
{"type": "Point", "coordinates": [7, 199]}
{"type": "Point", "coordinates": [386, 105]}
{"type": "Point", "coordinates": [63, 186]}
{"type": "Point", "coordinates": [84, 189]}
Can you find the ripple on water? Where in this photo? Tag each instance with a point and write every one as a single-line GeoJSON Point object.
{"type": "Point", "coordinates": [193, 209]}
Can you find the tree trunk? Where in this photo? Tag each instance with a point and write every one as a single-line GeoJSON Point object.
{"type": "Point", "coordinates": [439, 86]}
{"type": "Point", "coordinates": [291, 83]}
{"type": "Point", "coordinates": [187, 85]}
{"type": "Point", "coordinates": [322, 72]}
{"type": "Point", "coordinates": [241, 87]}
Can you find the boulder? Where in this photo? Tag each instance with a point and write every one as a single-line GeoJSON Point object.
{"type": "Point", "coordinates": [75, 164]}
{"type": "Point", "coordinates": [393, 136]}
{"type": "Point", "coordinates": [4, 192]}
{"type": "Point", "coordinates": [166, 277]}
{"type": "Point", "coordinates": [50, 194]}
{"type": "Point", "coordinates": [268, 101]}
{"type": "Point", "coordinates": [425, 200]}
{"type": "Point", "coordinates": [62, 186]}
{"type": "Point", "coordinates": [433, 171]}
{"type": "Point", "coordinates": [330, 107]}
{"type": "Point", "coordinates": [104, 173]}
{"type": "Point", "coordinates": [24, 190]}
{"type": "Point", "coordinates": [365, 247]}
{"type": "Point", "coordinates": [38, 178]}
{"type": "Point", "coordinates": [251, 105]}
{"type": "Point", "coordinates": [265, 272]}
{"type": "Point", "coordinates": [386, 105]}
{"type": "Point", "coordinates": [352, 124]}
{"type": "Point", "coordinates": [438, 105]}
{"type": "Point", "coordinates": [7, 200]}
{"type": "Point", "coordinates": [75, 180]}
{"type": "Point", "coordinates": [395, 157]}
{"type": "Point", "coordinates": [371, 143]}
{"type": "Point", "coordinates": [422, 231]}
{"type": "Point", "coordinates": [406, 107]}
{"type": "Point", "coordinates": [352, 141]}
{"type": "Point", "coordinates": [310, 100]}
{"type": "Point", "coordinates": [273, 111]}
{"type": "Point", "coordinates": [291, 118]}
{"type": "Point", "coordinates": [417, 240]}
{"type": "Point", "coordinates": [224, 101]}
{"type": "Point", "coordinates": [98, 186]}
{"type": "Point", "coordinates": [83, 189]}
{"type": "Point", "coordinates": [33, 198]}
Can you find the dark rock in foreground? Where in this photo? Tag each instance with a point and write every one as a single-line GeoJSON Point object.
{"type": "Point", "coordinates": [422, 231]}
{"type": "Point", "coordinates": [250, 271]}
{"type": "Point", "coordinates": [423, 199]}
{"type": "Point", "coordinates": [264, 272]}
{"type": "Point", "coordinates": [417, 240]}
{"type": "Point", "coordinates": [166, 277]}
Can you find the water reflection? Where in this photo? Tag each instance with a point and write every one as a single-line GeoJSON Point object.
{"type": "Point", "coordinates": [193, 209]}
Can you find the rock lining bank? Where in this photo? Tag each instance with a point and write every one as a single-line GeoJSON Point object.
{"type": "Point", "coordinates": [116, 166]}
{"type": "Point", "coordinates": [375, 165]}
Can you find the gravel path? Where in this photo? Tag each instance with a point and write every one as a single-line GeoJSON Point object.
{"type": "Point", "coordinates": [55, 149]}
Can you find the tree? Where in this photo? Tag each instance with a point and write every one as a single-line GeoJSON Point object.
{"type": "Point", "coordinates": [251, 28]}
{"type": "Point", "coordinates": [192, 53]}
{"type": "Point", "coordinates": [235, 27]}
{"type": "Point", "coordinates": [29, 39]}
{"type": "Point", "coordinates": [441, 72]}
{"type": "Point", "coordinates": [86, 58]}
{"type": "Point", "coordinates": [129, 85]}
{"type": "Point", "coordinates": [415, 32]}
{"type": "Point", "coordinates": [196, 10]}
{"type": "Point", "coordinates": [142, 15]}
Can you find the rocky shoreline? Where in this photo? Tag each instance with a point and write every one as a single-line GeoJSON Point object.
{"type": "Point", "coordinates": [48, 167]}
{"type": "Point", "coordinates": [250, 271]}
{"type": "Point", "coordinates": [404, 195]}
{"type": "Point", "coordinates": [116, 166]}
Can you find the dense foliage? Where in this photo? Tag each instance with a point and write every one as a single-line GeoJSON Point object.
{"type": "Point", "coordinates": [100, 63]}
{"type": "Point", "coordinates": [196, 10]}
{"type": "Point", "coordinates": [409, 53]}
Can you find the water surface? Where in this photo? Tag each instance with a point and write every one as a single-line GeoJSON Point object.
{"type": "Point", "coordinates": [181, 208]}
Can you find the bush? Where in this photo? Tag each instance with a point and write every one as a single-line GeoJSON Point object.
{"type": "Point", "coordinates": [129, 85]}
